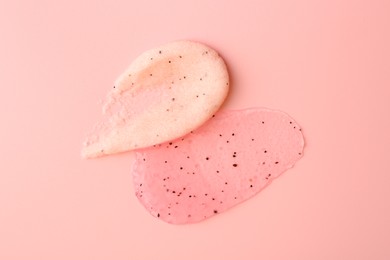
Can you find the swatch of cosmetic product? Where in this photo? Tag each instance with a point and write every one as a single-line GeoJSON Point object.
{"type": "Point", "coordinates": [164, 94]}
{"type": "Point", "coordinates": [226, 161]}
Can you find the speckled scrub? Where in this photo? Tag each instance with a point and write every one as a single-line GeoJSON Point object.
{"type": "Point", "coordinates": [164, 94]}
{"type": "Point", "coordinates": [225, 162]}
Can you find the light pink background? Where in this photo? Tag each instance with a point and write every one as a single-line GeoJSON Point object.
{"type": "Point", "coordinates": [326, 63]}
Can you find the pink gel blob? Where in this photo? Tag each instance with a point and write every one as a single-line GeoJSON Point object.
{"type": "Point", "coordinates": [223, 163]}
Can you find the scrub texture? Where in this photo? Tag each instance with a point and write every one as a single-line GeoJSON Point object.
{"type": "Point", "coordinates": [223, 163]}
{"type": "Point", "coordinates": [164, 94]}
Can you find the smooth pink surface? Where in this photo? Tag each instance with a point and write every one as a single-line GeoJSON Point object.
{"type": "Point", "coordinates": [225, 162]}
{"type": "Point", "coordinates": [327, 63]}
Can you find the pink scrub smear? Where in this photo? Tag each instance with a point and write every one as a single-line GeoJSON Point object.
{"type": "Point", "coordinates": [228, 160]}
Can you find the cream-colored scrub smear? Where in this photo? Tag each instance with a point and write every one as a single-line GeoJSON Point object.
{"type": "Point", "coordinates": [221, 164]}
{"type": "Point", "coordinates": [164, 94]}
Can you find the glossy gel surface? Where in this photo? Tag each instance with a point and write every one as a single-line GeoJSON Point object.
{"type": "Point", "coordinates": [225, 162]}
